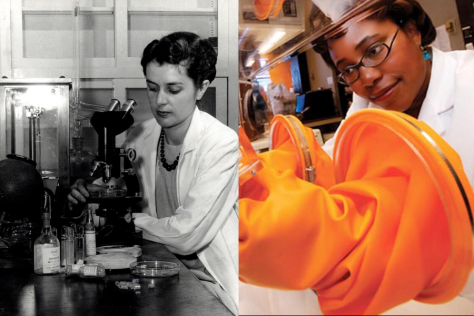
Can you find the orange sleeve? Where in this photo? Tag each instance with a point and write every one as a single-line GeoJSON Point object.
{"type": "Point", "coordinates": [350, 243]}
{"type": "Point", "coordinates": [395, 226]}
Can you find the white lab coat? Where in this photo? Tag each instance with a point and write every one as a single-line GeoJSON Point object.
{"type": "Point", "coordinates": [448, 109]}
{"type": "Point", "coordinates": [206, 221]}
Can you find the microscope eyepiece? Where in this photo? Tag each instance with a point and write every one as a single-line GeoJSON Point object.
{"type": "Point", "coordinates": [114, 105]}
{"type": "Point", "coordinates": [129, 107]}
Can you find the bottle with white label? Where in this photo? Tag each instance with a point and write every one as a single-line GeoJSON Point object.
{"type": "Point", "coordinates": [89, 234]}
{"type": "Point", "coordinates": [46, 247]}
{"type": "Point", "coordinates": [86, 271]}
{"type": "Point", "coordinates": [92, 270]}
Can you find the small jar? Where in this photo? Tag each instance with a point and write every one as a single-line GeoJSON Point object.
{"type": "Point", "coordinates": [92, 270]}
{"type": "Point", "coordinates": [86, 271]}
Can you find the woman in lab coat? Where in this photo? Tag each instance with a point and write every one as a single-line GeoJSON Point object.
{"type": "Point", "coordinates": [388, 63]}
{"type": "Point", "coordinates": [186, 164]}
{"type": "Point", "coordinates": [433, 86]}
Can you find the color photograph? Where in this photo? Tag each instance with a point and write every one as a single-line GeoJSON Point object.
{"type": "Point", "coordinates": [356, 166]}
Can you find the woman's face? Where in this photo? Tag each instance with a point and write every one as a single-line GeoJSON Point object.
{"type": "Point", "coordinates": [171, 93]}
{"type": "Point", "coordinates": [400, 81]}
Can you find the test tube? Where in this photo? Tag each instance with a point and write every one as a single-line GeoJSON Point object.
{"type": "Point", "coordinates": [80, 250]}
{"type": "Point", "coordinates": [69, 246]}
{"type": "Point", "coordinates": [63, 246]}
{"type": "Point", "coordinates": [74, 227]}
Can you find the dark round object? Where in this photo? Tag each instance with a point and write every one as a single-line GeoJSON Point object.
{"type": "Point", "coordinates": [21, 189]}
{"type": "Point", "coordinates": [22, 158]}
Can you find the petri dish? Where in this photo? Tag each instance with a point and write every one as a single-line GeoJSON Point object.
{"type": "Point", "coordinates": [154, 269]}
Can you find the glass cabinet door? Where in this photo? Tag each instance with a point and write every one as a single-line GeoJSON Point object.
{"type": "Point", "coordinates": [149, 20]}
{"type": "Point", "coordinates": [108, 36]}
{"type": "Point", "coordinates": [52, 33]}
{"type": "Point", "coordinates": [35, 124]}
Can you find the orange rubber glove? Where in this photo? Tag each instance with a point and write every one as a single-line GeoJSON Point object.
{"type": "Point", "coordinates": [383, 235]}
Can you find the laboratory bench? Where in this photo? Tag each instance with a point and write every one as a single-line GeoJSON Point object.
{"type": "Point", "coordinates": [24, 293]}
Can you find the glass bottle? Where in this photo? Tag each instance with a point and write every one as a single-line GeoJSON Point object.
{"type": "Point", "coordinates": [86, 271]}
{"type": "Point", "coordinates": [92, 270]}
{"type": "Point", "coordinates": [46, 247]}
{"type": "Point", "coordinates": [89, 232]}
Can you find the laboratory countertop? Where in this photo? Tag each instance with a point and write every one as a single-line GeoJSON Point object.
{"type": "Point", "coordinates": [24, 293]}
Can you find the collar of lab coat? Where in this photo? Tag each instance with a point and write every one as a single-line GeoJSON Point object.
{"type": "Point", "coordinates": [190, 140]}
{"type": "Point", "coordinates": [440, 95]}
{"type": "Point", "coordinates": [148, 149]}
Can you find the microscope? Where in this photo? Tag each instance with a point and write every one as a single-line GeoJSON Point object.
{"type": "Point", "coordinates": [109, 191]}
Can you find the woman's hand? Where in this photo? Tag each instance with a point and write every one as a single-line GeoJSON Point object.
{"type": "Point", "coordinates": [78, 193]}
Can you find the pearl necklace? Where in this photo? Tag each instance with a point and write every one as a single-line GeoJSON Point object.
{"type": "Point", "coordinates": [162, 154]}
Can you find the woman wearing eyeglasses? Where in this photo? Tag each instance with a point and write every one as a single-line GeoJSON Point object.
{"type": "Point", "coordinates": [389, 64]}
{"type": "Point", "coordinates": [321, 239]}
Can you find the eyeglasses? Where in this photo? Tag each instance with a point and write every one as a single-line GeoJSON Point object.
{"type": "Point", "coordinates": [374, 56]}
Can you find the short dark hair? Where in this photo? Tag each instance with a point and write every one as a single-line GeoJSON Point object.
{"type": "Point", "coordinates": [400, 12]}
{"type": "Point", "coordinates": [186, 49]}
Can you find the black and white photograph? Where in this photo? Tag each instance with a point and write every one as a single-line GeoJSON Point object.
{"type": "Point", "coordinates": [119, 157]}
{"type": "Point", "coordinates": [236, 157]}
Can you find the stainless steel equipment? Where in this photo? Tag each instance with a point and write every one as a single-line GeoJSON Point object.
{"type": "Point", "coordinates": [34, 122]}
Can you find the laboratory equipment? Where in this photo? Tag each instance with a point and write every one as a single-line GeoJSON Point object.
{"type": "Point", "coordinates": [154, 269]}
{"type": "Point", "coordinates": [89, 234]}
{"type": "Point", "coordinates": [79, 244]}
{"type": "Point", "coordinates": [47, 247]}
{"type": "Point", "coordinates": [21, 189]}
{"type": "Point", "coordinates": [113, 261]}
{"type": "Point", "coordinates": [253, 109]}
{"type": "Point", "coordinates": [35, 124]}
{"type": "Point", "coordinates": [92, 271]}
{"type": "Point", "coordinates": [67, 245]}
{"type": "Point", "coordinates": [86, 271]}
{"type": "Point", "coordinates": [21, 204]}
{"type": "Point", "coordinates": [111, 198]}
{"type": "Point", "coordinates": [134, 250]}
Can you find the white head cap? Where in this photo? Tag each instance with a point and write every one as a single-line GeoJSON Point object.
{"type": "Point", "coordinates": [334, 9]}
